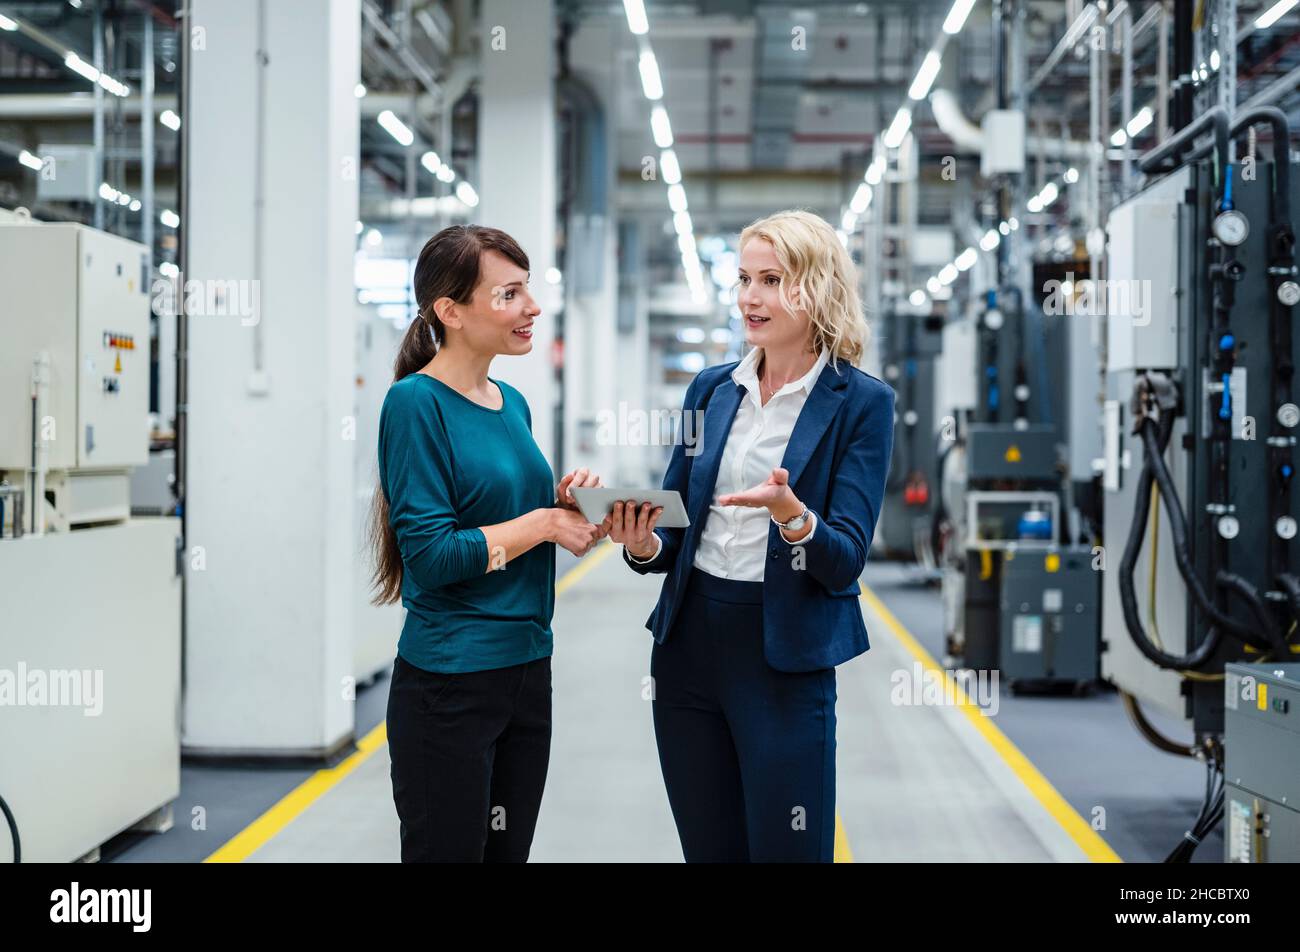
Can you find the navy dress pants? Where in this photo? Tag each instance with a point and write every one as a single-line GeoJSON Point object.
{"type": "Point", "coordinates": [747, 752]}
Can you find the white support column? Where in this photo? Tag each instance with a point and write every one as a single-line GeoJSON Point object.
{"type": "Point", "coordinates": [516, 151]}
{"type": "Point", "coordinates": [271, 545]}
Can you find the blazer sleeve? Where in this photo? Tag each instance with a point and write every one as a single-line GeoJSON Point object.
{"type": "Point", "coordinates": [676, 477]}
{"type": "Point", "coordinates": [836, 553]}
{"type": "Point", "coordinates": [415, 456]}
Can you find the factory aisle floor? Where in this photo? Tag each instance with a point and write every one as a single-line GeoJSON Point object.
{"type": "Point", "coordinates": [915, 782]}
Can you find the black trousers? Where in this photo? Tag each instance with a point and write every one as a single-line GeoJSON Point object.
{"type": "Point", "coordinates": [469, 757]}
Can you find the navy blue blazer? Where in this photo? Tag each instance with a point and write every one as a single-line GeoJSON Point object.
{"type": "Point", "coordinates": [838, 457]}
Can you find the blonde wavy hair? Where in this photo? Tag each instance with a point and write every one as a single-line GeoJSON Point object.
{"type": "Point", "coordinates": [819, 278]}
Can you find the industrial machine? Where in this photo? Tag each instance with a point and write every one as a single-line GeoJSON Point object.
{"type": "Point", "coordinates": [911, 345]}
{"type": "Point", "coordinates": [1261, 776]}
{"type": "Point", "coordinates": [1199, 420]}
{"type": "Point", "coordinates": [90, 654]}
{"type": "Point", "coordinates": [1006, 473]}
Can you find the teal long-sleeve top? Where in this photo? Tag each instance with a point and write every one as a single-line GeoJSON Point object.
{"type": "Point", "coordinates": [448, 466]}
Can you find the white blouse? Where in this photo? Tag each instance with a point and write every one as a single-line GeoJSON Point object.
{"type": "Point", "coordinates": [734, 542]}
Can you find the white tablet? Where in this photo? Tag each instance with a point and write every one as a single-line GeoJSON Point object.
{"type": "Point", "coordinates": [596, 504]}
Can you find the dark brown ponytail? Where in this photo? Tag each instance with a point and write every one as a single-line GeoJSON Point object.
{"type": "Point", "coordinates": [448, 267]}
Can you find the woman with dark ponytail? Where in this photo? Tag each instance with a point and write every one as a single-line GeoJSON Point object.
{"type": "Point", "coordinates": [464, 531]}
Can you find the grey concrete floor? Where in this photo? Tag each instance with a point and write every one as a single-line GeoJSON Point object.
{"type": "Point", "coordinates": [915, 783]}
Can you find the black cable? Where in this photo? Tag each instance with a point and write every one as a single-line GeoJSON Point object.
{"type": "Point", "coordinates": [1127, 595]}
{"type": "Point", "coordinates": [13, 830]}
{"type": "Point", "coordinates": [1290, 586]}
{"type": "Point", "coordinates": [1211, 813]}
{"type": "Point", "coordinates": [1178, 532]}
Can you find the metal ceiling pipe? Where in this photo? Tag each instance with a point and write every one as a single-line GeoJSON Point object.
{"type": "Point", "coordinates": [70, 105]}
{"type": "Point", "coordinates": [969, 137]}
{"type": "Point", "coordinates": [56, 106]}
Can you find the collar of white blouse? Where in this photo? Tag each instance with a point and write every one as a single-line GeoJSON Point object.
{"type": "Point", "coordinates": [746, 375]}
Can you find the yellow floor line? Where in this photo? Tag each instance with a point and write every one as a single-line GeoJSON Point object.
{"type": "Point", "coordinates": [843, 852]}
{"type": "Point", "coordinates": [576, 574]}
{"type": "Point", "coordinates": [258, 833]}
{"type": "Point", "coordinates": [1075, 826]}
{"type": "Point", "coordinates": [291, 806]}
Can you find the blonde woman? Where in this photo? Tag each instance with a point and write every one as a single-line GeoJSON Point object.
{"type": "Point", "coordinates": [760, 602]}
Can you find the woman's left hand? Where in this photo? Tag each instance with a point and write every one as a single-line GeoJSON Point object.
{"type": "Point", "coordinates": [578, 479]}
{"type": "Point", "coordinates": [774, 495]}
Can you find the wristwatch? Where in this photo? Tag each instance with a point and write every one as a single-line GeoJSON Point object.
{"type": "Point", "coordinates": [795, 524]}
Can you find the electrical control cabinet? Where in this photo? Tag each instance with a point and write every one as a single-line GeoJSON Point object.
{"type": "Point", "coordinates": [82, 297]}
{"type": "Point", "coordinates": [1262, 774]}
{"type": "Point", "coordinates": [1143, 291]}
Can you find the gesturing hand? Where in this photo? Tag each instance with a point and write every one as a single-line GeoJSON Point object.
{"type": "Point", "coordinates": [774, 495]}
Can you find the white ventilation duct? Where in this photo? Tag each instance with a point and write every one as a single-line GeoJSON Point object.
{"type": "Point", "coordinates": [969, 137]}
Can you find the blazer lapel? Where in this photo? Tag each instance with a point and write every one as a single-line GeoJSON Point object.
{"type": "Point", "coordinates": [718, 417]}
{"type": "Point", "coordinates": [822, 405]}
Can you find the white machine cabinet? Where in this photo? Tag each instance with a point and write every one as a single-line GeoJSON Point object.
{"type": "Point", "coordinates": [82, 296]}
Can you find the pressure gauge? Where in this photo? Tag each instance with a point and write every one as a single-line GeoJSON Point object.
{"type": "Point", "coordinates": [1288, 292]}
{"type": "Point", "coordinates": [993, 318]}
{"type": "Point", "coordinates": [1288, 414]}
{"type": "Point", "coordinates": [1285, 527]}
{"type": "Point", "coordinates": [1229, 527]}
{"type": "Point", "coordinates": [1231, 227]}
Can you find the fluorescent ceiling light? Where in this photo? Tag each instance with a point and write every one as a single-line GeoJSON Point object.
{"type": "Point", "coordinates": [861, 199]}
{"type": "Point", "coordinates": [990, 240]}
{"type": "Point", "coordinates": [668, 165]}
{"type": "Point", "coordinates": [170, 218]}
{"type": "Point", "coordinates": [431, 162]}
{"type": "Point", "coordinates": [395, 127]}
{"type": "Point", "coordinates": [1273, 14]}
{"type": "Point", "coordinates": [876, 170]}
{"type": "Point", "coordinates": [677, 198]}
{"type": "Point", "coordinates": [651, 84]}
{"type": "Point", "coordinates": [662, 129]}
{"type": "Point", "coordinates": [682, 222]}
{"type": "Point", "coordinates": [465, 192]}
{"type": "Point", "coordinates": [170, 120]}
{"type": "Point", "coordinates": [925, 76]}
{"type": "Point", "coordinates": [359, 90]}
{"type": "Point", "coordinates": [636, 18]}
{"type": "Point", "coordinates": [80, 66]}
{"type": "Point", "coordinates": [966, 260]}
{"type": "Point", "coordinates": [956, 18]}
{"type": "Point", "coordinates": [898, 128]}
{"type": "Point", "coordinates": [948, 274]}
{"type": "Point", "coordinates": [1140, 121]}
{"type": "Point", "coordinates": [917, 297]}
{"type": "Point", "coordinates": [7, 24]}
{"type": "Point", "coordinates": [29, 160]}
